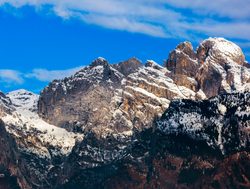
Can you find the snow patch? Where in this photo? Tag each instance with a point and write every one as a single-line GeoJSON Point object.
{"type": "Point", "coordinates": [222, 109]}
{"type": "Point", "coordinates": [25, 122]}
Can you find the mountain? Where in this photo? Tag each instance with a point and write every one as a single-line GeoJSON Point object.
{"type": "Point", "coordinates": [134, 125]}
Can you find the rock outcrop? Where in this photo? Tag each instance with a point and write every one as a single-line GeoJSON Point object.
{"type": "Point", "coordinates": [218, 66]}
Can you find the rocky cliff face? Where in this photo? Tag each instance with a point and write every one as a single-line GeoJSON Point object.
{"type": "Point", "coordinates": [87, 130]}
{"type": "Point", "coordinates": [7, 160]}
{"type": "Point", "coordinates": [5, 104]}
{"type": "Point", "coordinates": [195, 144]}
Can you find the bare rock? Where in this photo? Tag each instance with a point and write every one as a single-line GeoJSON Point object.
{"type": "Point", "coordinates": [182, 60]}
{"type": "Point", "coordinates": [129, 66]}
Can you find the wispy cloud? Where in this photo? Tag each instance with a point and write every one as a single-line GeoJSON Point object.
{"type": "Point", "coordinates": [49, 75]}
{"type": "Point", "coordinates": [235, 9]}
{"type": "Point", "coordinates": [11, 77]}
{"type": "Point", "coordinates": [160, 18]}
{"type": "Point", "coordinates": [125, 24]}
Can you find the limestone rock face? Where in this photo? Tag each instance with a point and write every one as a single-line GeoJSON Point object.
{"type": "Point", "coordinates": [218, 66]}
{"type": "Point", "coordinates": [183, 60]}
{"type": "Point", "coordinates": [147, 92]}
{"type": "Point", "coordinates": [83, 100]}
{"type": "Point", "coordinates": [108, 104]}
{"type": "Point", "coordinates": [100, 94]}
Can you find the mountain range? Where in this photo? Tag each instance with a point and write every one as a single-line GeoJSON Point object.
{"type": "Point", "coordinates": [182, 124]}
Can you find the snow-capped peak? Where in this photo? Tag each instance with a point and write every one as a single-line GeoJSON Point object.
{"type": "Point", "coordinates": [23, 99]}
{"type": "Point", "coordinates": [100, 61]}
{"type": "Point", "coordinates": [101, 58]}
{"type": "Point", "coordinates": [221, 47]}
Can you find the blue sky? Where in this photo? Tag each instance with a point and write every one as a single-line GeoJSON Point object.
{"type": "Point", "coordinates": [41, 40]}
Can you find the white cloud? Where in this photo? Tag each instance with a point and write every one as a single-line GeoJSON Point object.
{"type": "Point", "coordinates": [10, 77]}
{"type": "Point", "coordinates": [238, 30]}
{"type": "Point", "coordinates": [161, 18]}
{"type": "Point", "coordinates": [238, 9]}
{"type": "Point", "coordinates": [125, 24]}
{"type": "Point", "coordinates": [49, 75]}
{"type": "Point", "coordinates": [133, 17]}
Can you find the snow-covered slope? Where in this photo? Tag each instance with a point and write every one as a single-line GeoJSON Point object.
{"type": "Point", "coordinates": [39, 143]}
{"type": "Point", "coordinates": [24, 121]}
{"type": "Point", "coordinates": [24, 100]}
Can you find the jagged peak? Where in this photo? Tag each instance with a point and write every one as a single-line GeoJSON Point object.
{"type": "Point", "coordinates": [101, 58]}
{"type": "Point", "coordinates": [186, 48]}
{"type": "Point", "coordinates": [184, 45]}
{"type": "Point", "coordinates": [100, 61]}
{"type": "Point", "coordinates": [128, 66]}
{"type": "Point", "coordinates": [153, 64]}
{"type": "Point", "coordinates": [131, 62]}
{"type": "Point", "coordinates": [134, 60]}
